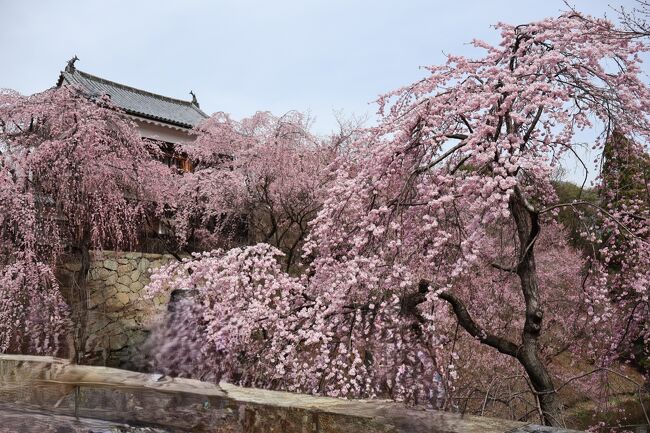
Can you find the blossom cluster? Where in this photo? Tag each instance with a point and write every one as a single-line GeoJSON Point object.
{"type": "Point", "coordinates": [74, 175]}
{"type": "Point", "coordinates": [447, 202]}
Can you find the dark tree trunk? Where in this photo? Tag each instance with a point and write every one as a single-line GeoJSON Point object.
{"type": "Point", "coordinates": [527, 353]}
{"type": "Point", "coordinates": [79, 305]}
{"type": "Point", "coordinates": [527, 221]}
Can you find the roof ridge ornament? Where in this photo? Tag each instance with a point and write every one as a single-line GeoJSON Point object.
{"type": "Point", "coordinates": [70, 66]}
{"type": "Point", "coordinates": [194, 101]}
{"type": "Point", "coordinates": [142, 104]}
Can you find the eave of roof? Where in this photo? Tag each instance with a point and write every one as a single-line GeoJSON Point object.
{"type": "Point", "coordinates": [138, 102]}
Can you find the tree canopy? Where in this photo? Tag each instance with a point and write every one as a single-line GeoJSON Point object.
{"type": "Point", "coordinates": [443, 216]}
{"type": "Point", "coordinates": [74, 175]}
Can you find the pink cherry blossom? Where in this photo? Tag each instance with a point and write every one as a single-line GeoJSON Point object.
{"type": "Point", "coordinates": [442, 218]}
{"type": "Point", "coordinates": [74, 175]}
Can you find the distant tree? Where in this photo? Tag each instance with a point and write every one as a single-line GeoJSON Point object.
{"type": "Point", "coordinates": [256, 180]}
{"type": "Point", "coordinates": [635, 20]}
{"type": "Point", "coordinates": [74, 175]}
{"type": "Point", "coordinates": [574, 219]}
{"type": "Point", "coordinates": [624, 191]}
{"type": "Point", "coordinates": [625, 176]}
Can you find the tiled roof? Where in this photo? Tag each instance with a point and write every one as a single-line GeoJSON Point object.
{"type": "Point", "coordinates": [138, 102]}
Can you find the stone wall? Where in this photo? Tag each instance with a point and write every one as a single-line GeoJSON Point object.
{"type": "Point", "coordinates": [54, 387]}
{"type": "Point", "coordinates": [120, 313]}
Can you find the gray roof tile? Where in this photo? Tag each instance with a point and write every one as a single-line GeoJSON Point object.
{"type": "Point", "coordinates": [138, 102]}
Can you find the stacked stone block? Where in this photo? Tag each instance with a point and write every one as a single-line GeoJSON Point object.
{"type": "Point", "coordinates": [120, 312]}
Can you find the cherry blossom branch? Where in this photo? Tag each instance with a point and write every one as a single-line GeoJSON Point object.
{"type": "Point", "coordinates": [533, 125]}
{"type": "Point", "coordinates": [444, 155]}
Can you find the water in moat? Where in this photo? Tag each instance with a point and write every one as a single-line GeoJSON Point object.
{"type": "Point", "coordinates": [17, 419]}
{"type": "Point", "coordinates": [59, 408]}
{"type": "Point", "coordinates": [63, 416]}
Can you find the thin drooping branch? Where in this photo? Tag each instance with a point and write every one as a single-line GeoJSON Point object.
{"type": "Point", "coordinates": [443, 156]}
{"type": "Point", "coordinates": [533, 125]}
{"type": "Point", "coordinates": [600, 208]}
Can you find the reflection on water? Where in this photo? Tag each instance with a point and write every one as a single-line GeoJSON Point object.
{"type": "Point", "coordinates": [32, 401]}
{"type": "Point", "coordinates": [22, 420]}
{"type": "Point", "coordinates": [35, 407]}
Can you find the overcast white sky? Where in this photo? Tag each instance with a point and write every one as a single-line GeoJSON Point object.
{"type": "Point", "coordinates": [243, 56]}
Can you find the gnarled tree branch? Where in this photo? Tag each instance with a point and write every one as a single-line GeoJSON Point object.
{"type": "Point", "coordinates": [501, 344]}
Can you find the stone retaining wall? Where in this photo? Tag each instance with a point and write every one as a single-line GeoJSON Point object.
{"type": "Point", "coordinates": [53, 386]}
{"type": "Point", "coordinates": [119, 312]}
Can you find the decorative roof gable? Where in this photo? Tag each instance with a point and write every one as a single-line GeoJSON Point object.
{"type": "Point", "coordinates": [136, 102]}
